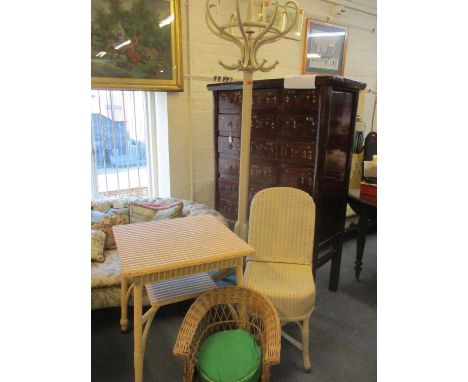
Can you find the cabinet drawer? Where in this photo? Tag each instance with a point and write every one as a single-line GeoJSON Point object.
{"type": "Point", "coordinates": [229, 124]}
{"type": "Point", "coordinates": [263, 172]}
{"type": "Point", "coordinates": [259, 172]}
{"type": "Point", "coordinates": [300, 125]}
{"type": "Point", "coordinates": [226, 147]}
{"type": "Point", "coordinates": [265, 123]}
{"type": "Point", "coordinates": [228, 209]}
{"type": "Point", "coordinates": [229, 190]}
{"type": "Point", "coordinates": [264, 147]}
{"type": "Point", "coordinates": [228, 167]}
{"type": "Point", "coordinates": [298, 177]}
{"type": "Point", "coordinates": [253, 190]}
{"type": "Point", "coordinates": [298, 152]}
{"type": "Point", "coordinates": [230, 101]}
{"type": "Point", "coordinates": [300, 98]}
{"type": "Point", "coordinates": [265, 98]}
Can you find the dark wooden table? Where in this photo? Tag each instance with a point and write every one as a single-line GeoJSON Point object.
{"type": "Point", "coordinates": [366, 207]}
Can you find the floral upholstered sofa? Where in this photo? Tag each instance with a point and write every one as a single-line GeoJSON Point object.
{"type": "Point", "coordinates": [105, 264]}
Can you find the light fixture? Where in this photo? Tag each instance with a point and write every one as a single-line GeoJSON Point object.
{"type": "Point", "coordinates": [326, 34]}
{"type": "Point", "coordinates": [166, 21]}
{"type": "Point", "coordinates": [123, 44]}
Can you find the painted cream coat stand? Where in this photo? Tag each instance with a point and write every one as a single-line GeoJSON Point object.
{"type": "Point", "coordinates": [251, 35]}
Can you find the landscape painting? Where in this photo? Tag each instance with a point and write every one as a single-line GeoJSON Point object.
{"type": "Point", "coordinates": [136, 44]}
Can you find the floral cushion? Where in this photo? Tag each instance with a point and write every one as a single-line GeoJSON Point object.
{"type": "Point", "coordinates": [143, 212]}
{"type": "Point", "coordinates": [104, 222]}
{"type": "Point", "coordinates": [97, 245]}
{"type": "Point", "coordinates": [101, 205]}
{"type": "Point", "coordinates": [195, 209]}
{"type": "Point", "coordinates": [107, 273]}
{"type": "Point", "coordinates": [121, 215]}
{"type": "Point", "coordinates": [109, 297]}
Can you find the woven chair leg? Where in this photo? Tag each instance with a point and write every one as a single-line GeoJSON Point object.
{"type": "Point", "coordinates": [305, 345]}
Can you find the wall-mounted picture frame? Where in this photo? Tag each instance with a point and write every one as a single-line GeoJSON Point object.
{"type": "Point", "coordinates": [136, 45]}
{"type": "Point", "coordinates": [267, 9]}
{"type": "Point", "coordinates": [324, 48]}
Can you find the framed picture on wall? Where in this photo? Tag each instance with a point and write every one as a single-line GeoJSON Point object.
{"type": "Point", "coordinates": [324, 48]}
{"type": "Point", "coordinates": [136, 45]}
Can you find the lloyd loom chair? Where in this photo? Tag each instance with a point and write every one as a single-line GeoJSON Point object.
{"type": "Point", "coordinates": [228, 308]}
{"type": "Point", "coordinates": [281, 229]}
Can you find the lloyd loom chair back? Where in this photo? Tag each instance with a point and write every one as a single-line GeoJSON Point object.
{"type": "Point", "coordinates": [278, 217]}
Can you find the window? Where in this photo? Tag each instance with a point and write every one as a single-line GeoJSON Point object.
{"type": "Point", "coordinates": [127, 130]}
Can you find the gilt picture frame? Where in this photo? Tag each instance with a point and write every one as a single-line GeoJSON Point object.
{"type": "Point", "coordinates": [136, 45]}
{"type": "Point", "coordinates": [324, 48]}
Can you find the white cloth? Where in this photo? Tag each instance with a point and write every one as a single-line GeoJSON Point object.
{"type": "Point", "coordinates": [300, 81]}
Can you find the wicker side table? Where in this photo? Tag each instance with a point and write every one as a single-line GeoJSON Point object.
{"type": "Point", "coordinates": [169, 249]}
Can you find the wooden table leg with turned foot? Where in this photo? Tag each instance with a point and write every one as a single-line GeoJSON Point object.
{"type": "Point", "coordinates": [361, 242]}
{"type": "Point", "coordinates": [335, 264]}
{"type": "Point", "coordinates": [366, 207]}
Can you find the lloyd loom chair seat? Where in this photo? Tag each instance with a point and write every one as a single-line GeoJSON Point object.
{"type": "Point", "coordinates": [281, 230]}
{"type": "Point", "coordinates": [227, 308]}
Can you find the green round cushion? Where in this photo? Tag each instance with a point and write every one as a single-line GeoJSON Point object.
{"type": "Point", "coordinates": [230, 356]}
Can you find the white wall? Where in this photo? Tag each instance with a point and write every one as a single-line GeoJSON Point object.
{"type": "Point", "coordinates": [191, 112]}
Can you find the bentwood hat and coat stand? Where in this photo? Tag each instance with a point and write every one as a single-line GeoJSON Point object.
{"type": "Point", "coordinates": [249, 34]}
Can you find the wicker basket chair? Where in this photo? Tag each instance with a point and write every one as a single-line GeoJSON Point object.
{"type": "Point", "coordinates": [225, 308]}
{"type": "Point", "coordinates": [281, 229]}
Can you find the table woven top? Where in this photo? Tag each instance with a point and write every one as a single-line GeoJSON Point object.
{"type": "Point", "coordinates": [163, 245]}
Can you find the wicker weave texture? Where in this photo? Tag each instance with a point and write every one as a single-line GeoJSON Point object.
{"type": "Point", "coordinates": [166, 245]}
{"type": "Point", "coordinates": [282, 222]}
{"type": "Point", "coordinates": [180, 289]}
{"type": "Point", "coordinates": [229, 308]}
{"type": "Point", "coordinates": [290, 287]}
{"type": "Point", "coordinates": [278, 217]}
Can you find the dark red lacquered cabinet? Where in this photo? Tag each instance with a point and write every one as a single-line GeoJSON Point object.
{"type": "Point", "coordinates": [300, 138]}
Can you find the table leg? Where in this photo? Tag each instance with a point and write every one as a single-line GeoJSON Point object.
{"type": "Point", "coordinates": [123, 304]}
{"type": "Point", "coordinates": [361, 242]}
{"type": "Point", "coordinates": [138, 332]}
{"type": "Point", "coordinates": [239, 275]}
{"type": "Point", "coordinates": [335, 264]}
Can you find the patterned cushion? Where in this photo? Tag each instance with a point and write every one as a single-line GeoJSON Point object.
{"type": "Point", "coordinates": [107, 273]}
{"type": "Point", "coordinates": [195, 209]}
{"type": "Point", "coordinates": [103, 222]}
{"type": "Point", "coordinates": [121, 215]}
{"type": "Point", "coordinates": [144, 212]}
{"type": "Point", "coordinates": [101, 205]}
{"type": "Point", "coordinates": [97, 245]}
